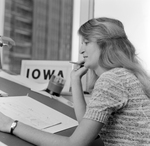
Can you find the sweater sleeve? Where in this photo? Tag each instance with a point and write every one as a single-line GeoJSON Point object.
{"type": "Point", "coordinates": [107, 97]}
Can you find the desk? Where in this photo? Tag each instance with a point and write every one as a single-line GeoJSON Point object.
{"type": "Point", "coordinates": [14, 89]}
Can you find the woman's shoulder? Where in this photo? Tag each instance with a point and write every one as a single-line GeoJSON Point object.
{"type": "Point", "coordinates": [116, 73]}
{"type": "Point", "coordinates": [115, 76]}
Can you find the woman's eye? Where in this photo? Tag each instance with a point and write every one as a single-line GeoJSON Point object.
{"type": "Point", "coordinates": [86, 42]}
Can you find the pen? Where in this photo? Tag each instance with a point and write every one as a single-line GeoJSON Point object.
{"type": "Point", "coordinates": [76, 63]}
{"type": "Point", "coordinates": [53, 125]}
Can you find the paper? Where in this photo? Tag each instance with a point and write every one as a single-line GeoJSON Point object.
{"type": "Point", "coordinates": [35, 114]}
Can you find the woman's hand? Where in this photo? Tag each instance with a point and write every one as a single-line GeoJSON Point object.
{"type": "Point", "coordinates": [5, 123]}
{"type": "Point", "coordinates": [78, 70]}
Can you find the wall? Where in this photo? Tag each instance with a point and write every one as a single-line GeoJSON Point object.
{"type": "Point", "coordinates": [135, 15]}
{"type": "Point", "coordinates": [2, 6]}
{"type": "Point", "coordinates": [83, 11]}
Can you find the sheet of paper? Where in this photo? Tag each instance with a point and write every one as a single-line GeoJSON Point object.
{"type": "Point", "coordinates": [36, 114]}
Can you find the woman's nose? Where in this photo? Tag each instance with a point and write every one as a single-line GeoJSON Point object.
{"type": "Point", "coordinates": [82, 50]}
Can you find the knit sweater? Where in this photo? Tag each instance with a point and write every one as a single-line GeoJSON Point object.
{"type": "Point", "coordinates": [119, 102]}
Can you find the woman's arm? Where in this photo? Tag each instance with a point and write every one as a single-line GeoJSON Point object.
{"type": "Point", "coordinates": [78, 99]}
{"type": "Point", "coordinates": [77, 92]}
{"type": "Point", "coordinates": [84, 134]}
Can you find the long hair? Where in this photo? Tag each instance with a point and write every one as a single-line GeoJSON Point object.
{"type": "Point", "coordinates": [116, 49]}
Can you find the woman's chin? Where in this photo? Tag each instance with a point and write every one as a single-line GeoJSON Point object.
{"type": "Point", "coordinates": [86, 65]}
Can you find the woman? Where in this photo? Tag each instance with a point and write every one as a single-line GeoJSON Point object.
{"type": "Point", "coordinates": [119, 107]}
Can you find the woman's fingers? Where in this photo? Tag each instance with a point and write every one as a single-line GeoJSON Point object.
{"type": "Point", "coordinates": [77, 65]}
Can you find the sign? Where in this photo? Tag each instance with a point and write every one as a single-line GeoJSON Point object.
{"type": "Point", "coordinates": [42, 70]}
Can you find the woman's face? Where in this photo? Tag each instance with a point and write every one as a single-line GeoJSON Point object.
{"type": "Point", "coordinates": [91, 53]}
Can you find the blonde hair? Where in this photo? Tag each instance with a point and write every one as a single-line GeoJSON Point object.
{"type": "Point", "coordinates": [116, 49]}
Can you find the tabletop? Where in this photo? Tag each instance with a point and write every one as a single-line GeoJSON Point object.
{"type": "Point", "coordinates": [14, 89]}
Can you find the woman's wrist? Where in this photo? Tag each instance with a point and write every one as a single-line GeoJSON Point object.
{"type": "Point", "coordinates": [74, 78]}
{"type": "Point", "coordinates": [75, 81]}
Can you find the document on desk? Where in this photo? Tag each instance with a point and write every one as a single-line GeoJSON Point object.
{"type": "Point", "coordinates": [35, 114]}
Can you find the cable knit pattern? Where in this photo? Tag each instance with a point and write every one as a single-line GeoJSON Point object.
{"type": "Point", "coordinates": [119, 102]}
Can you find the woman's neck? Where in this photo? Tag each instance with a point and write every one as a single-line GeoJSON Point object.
{"type": "Point", "coordinates": [100, 70]}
